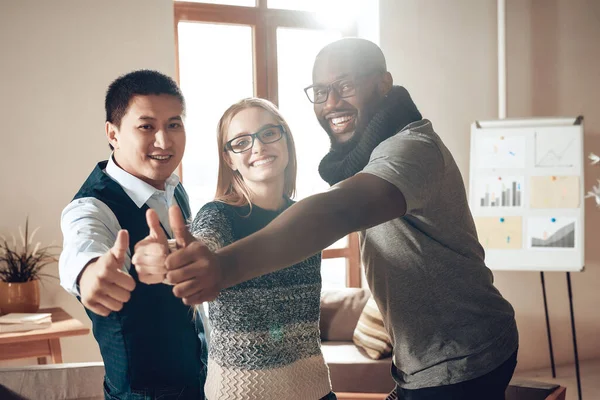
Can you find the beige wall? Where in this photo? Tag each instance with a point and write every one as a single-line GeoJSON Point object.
{"type": "Point", "coordinates": [58, 58]}
{"type": "Point", "coordinates": [445, 53]}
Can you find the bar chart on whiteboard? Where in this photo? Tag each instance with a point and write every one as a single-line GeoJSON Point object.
{"type": "Point", "coordinates": [501, 191]}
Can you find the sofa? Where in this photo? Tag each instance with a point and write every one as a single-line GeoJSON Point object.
{"type": "Point", "coordinates": [351, 370]}
{"type": "Point", "coordinates": [354, 375]}
{"type": "Point", "coordinates": [83, 381]}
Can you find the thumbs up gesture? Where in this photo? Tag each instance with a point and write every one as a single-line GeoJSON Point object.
{"type": "Point", "coordinates": [103, 285]}
{"type": "Point", "coordinates": [193, 268]}
{"type": "Point", "coordinates": [151, 252]}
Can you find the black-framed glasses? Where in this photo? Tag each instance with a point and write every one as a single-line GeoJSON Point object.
{"type": "Point", "coordinates": [242, 143]}
{"type": "Point", "coordinates": [345, 87]}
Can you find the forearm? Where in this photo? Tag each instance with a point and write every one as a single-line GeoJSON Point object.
{"type": "Point", "coordinates": [301, 231]}
{"type": "Point", "coordinates": [311, 225]}
{"type": "Point", "coordinates": [89, 229]}
{"type": "Point", "coordinates": [71, 265]}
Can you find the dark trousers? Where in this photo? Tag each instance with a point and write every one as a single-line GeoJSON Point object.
{"type": "Point", "coordinates": [490, 386]}
{"type": "Point", "coordinates": [184, 393]}
{"type": "Point", "coordinates": [330, 396]}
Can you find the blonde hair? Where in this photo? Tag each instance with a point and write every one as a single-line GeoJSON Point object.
{"type": "Point", "coordinates": [231, 188]}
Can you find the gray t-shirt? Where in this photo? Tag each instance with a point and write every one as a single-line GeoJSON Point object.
{"type": "Point", "coordinates": [447, 321]}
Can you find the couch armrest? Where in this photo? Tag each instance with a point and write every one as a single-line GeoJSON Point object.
{"type": "Point", "coordinates": [55, 381]}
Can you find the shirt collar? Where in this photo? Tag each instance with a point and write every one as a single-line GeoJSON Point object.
{"type": "Point", "coordinates": [138, 190]}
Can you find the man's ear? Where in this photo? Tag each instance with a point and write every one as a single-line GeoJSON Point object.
{"type": "Point", "coordinates": [386, 83]}
{"type": "Point", "coordinates": [111, 134]}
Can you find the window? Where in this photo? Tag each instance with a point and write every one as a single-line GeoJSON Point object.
{"type": "Point", "coordinates": [211, 80]}
{"type": "Point", "coordinates": [246, 3]}
{"type": "Point", "coordinates": [230, 49]}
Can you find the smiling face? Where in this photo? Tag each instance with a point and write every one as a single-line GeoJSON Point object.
{"type": "Point", "coordinates": [342, 117]}
{"type": "Point", "coordinates": [150, 141]}
{"type": "Point", "coordinates": [263, 163]}
{"type": "Point", "coordinates": [354, 74]}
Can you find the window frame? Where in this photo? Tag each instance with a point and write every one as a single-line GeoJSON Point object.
{"type": "Point", "coordinates": [264, 22]}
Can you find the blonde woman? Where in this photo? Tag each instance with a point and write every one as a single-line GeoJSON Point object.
{"type": "Point", "coordinates": [264, 332]}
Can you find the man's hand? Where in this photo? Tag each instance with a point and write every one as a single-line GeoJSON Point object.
{"type": "Point", "coordinates": [103, 285]}
{"type": "Point", "coordinates": [194, 269]}
{"type": "Point", "coordinates": [151, 252]}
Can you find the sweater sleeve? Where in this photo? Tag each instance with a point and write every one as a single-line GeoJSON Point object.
{"type": "Point", "coordinates": [213, 226]}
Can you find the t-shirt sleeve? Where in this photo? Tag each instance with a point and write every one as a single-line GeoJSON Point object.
{"type": "Point", "coordinates": [414, 164]}
{"type": "Point", "coordinates": [213, 227]}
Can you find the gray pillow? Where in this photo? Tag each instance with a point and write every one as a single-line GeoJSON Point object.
{"type": "Point", "coordinates": [340, 310]}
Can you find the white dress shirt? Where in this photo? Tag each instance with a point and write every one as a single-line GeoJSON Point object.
{"type": "Point", "coordinates": [90, 228]}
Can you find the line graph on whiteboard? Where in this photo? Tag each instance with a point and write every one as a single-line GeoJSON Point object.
{"type": "Point", "coordinates": [555, 149]}
{"type": "Point", "coordinates": [556, 233]}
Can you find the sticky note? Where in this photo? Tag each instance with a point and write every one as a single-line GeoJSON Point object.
{"type": "Point", "coordinates": [554, 192]}
{"type": "Point", "coordinates": [500, 232]}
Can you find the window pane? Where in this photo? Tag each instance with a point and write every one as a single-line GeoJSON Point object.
{"type": "Point", "coordinates": [296, 52]}
{"type": "Point", "coordinates": [333, 273]}
{"type": "Point", "coordinates": [303, 5]}
{"type": "Point", "coordinates": [211, 80]}
{"type": "Point", "coordinates": [246, 3]}
{"type": "Point", "coordinates": [312, 5]}
{"type": "Point", "coordinates": [338, 14]}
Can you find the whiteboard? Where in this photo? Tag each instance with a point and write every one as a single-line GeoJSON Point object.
{"type": "Point", "coordinates": [526, 193]}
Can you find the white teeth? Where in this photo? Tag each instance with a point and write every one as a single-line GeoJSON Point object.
{"type": "Point", "coordinates": [263, 161]}
{"type": "Point", "coordinates": [160, 157]}
{"type": "Point", "coordinates": [341, 120]}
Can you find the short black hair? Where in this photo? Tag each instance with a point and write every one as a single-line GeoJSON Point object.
{"type": "Point", "coordinates": [363, 54]}
{"type": "Point", "coordinates": [142, 82]}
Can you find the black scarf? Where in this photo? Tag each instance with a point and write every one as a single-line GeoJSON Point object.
{"type": "Point", "coordinates": [395, 112]}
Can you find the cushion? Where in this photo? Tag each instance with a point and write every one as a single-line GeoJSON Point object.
{"type": "Point", "coordinates": [340, 309]}
{"type": "Point", "coordinates": [351, 370]}
{"type": "Point", "coordinates": [370, 334]}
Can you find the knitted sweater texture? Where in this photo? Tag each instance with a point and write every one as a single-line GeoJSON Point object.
{"type": "Point", "coordinates": [265, 339]}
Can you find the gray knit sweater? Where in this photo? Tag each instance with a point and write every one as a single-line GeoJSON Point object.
{"type": "Point", "coordinates": [264, 340]}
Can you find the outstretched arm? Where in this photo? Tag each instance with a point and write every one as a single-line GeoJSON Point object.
{"type": "Point", "coordinates": [311, 225]}
{"type": "Point", "coordinates": [302, 230]}
{"type": "Point", "coordinates": [400, 177]}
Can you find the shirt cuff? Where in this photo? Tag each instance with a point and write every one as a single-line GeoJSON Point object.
{"type": "Point", "coordinates": [81, 261]}
{"type": "Point", "coordinates": [172, 245]}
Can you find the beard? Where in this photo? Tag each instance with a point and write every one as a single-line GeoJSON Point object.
{"type": "Point", "coordinates": [371, 105]}
{"type": "Point", "coordinates": [386, 116]}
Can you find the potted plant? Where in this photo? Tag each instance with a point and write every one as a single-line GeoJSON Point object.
{"type": "Point", "coordinates": [20, 272]}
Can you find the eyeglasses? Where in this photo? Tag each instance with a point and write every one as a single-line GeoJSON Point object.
{"type": "Point", "coordinates": [345, 87]}
{"type": "Point", "coordinates": [242, 143]}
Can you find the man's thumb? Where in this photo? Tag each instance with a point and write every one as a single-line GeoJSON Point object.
{"type": "Point", "coordinates": [180, 231]}
{"type": "Point", "coordinates": [156, 230]}
{"type": "Point", "coordinates": [121, 245]}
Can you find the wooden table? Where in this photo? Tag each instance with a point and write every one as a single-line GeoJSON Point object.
{"type": "Point", "coordinates": [41, 343]}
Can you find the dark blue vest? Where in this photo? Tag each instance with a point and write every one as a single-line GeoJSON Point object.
{"type": "Point", "coordinates": [153, 342]}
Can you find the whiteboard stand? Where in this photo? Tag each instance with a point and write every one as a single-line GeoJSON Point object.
{"type": "Point", "coordinates": [573, 331]}
{"type": "Point", "coordinates": [575, 353]}
{"type": "Point", "coordinates": [548, 325]}
{"type": "Point", "coordinates": [523, 154]}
